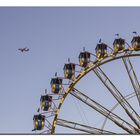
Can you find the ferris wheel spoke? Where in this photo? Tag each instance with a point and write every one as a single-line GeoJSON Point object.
{"type": "Point", "coordinates": [132, 76]}
{"type": "Point", "coordinates": [117, 104]}
{"type": "Point", "coordinates": [48, 132]}
{"type": "Point", "coordinates": [81, 127]}
{"type": "Point", "coordinates": [118, 96]}
{"type": "Point", "coordinates": [105, 112]}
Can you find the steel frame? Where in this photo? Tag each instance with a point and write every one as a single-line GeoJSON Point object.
{"type": "Point", "coordinates": [95, 66]}
{"type": "Point", "coordinates": [105, 112]}
{"type": "Point", "coordinates": [133, 77]}
{"type": "Point", "coordinates": [127, 97]}
{"type": "Point", "coordinates": [81, 127]}
{"type": "Point", "coordinates": [118, 96]}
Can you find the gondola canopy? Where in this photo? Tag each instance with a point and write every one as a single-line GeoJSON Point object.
{"type": "Point", "coordinates": [101, 50]}
{"type": "Point", "coordinates": [136, 43]}
{"type": "Point", "coordinates": [69, 70]}
{"type": "Point", "coordinates": [56, 85]}
{"type": "Point", "coordinates": [84, 59]}
{"type": "Point", "coordinates": [119, 44]}
{"type": "Point", "coordinates": [39, 122]}
{"type": "Point", "coordinates": [45, 102]}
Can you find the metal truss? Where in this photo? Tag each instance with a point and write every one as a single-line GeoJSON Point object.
{"type": "Point", "coordinates": [132, 76]}
{"type": "Point", "coordinates": [129, 128]}
{"type": "Point", "coordinates": [127, 97]}
{"type": "Point", "coordinates": [118, 96]}
{"type": "Point", "coordinates": [52, 119]}
{"type": "Point", "coordinates": [81, 127]}
{"type": "Point", "coordinates": [95, 65]}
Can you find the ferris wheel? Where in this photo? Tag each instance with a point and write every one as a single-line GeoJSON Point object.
{"type": "Point", "coordinates": [114, 113]}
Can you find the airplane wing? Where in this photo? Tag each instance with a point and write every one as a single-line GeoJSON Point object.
{"type": "Point", "coordinates": [23, 49]}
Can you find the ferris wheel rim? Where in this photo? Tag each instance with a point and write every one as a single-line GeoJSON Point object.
{"type": "Point", "coordinates": [86, 71]}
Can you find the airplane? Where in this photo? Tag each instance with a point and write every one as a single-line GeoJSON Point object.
{"type": "Point", "coordinates": [23, 49]}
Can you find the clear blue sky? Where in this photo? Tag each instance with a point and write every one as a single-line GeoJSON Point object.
{"type": "Point", "coordinates": [52, 35]}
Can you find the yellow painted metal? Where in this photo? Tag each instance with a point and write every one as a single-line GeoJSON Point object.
{"type": "Point", "coordinates": [43, 123]}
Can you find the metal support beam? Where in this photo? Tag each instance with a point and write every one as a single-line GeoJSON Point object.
{"type": "Point", "coordinates": [81, 127]}
{"type": "Point", "coordinates": [127, 97]}
{"type": "Point", "coordinates": [105, 112]}
{"type": "Point", "coordinates": [118, 96]}
{"type": "Point", "coordinates": [132, 76]}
